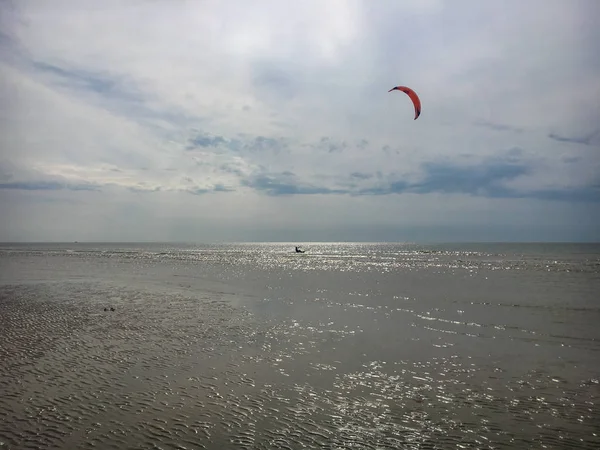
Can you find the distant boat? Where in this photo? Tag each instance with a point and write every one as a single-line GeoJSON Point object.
{"type": "Point", "coordinates": [298, 250]}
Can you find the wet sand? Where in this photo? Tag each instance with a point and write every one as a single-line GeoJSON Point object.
{"type": "Point", "coordinates": [75, 376]}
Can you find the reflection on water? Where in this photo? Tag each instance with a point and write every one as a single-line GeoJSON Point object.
{"type": "Point", "coordinates": [275, 352]}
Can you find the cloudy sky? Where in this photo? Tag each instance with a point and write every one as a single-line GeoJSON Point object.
{"type": "Point", "coordinates": [214, 120]}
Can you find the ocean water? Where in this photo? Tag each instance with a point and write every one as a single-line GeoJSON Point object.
{"type": "Point", "coordinates": [347, 346]}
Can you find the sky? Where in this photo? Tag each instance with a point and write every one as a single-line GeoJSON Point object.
{"type": "Point", "coordinates": [222, 120]}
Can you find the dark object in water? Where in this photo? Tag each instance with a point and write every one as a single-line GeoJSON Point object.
{"type": "Point", "coordinates": [112, 309]}
{"type": "Point", "coordinates": [298, 250]}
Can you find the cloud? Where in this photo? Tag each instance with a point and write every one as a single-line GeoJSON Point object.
{"type": "Point", "coordinates": [17, 178]}
{"type": "Point", "coordinates": [489, 178]}
{"type": "Point", "coordinates": [132, 103]}
{"type": "Point", "coordinates": [498, 126]}
{"type": "Point", "coordinates": [100, 179]}
{"type": "Point", "coordinates": [592, 138]}
{"type": "Point", "coordinates": [585, 194]}
{"type": "Point", "coordinates": [77, 79]}
{"type": "Point", "coordinates": [276, 84]}
{"type": "Point", "coordinates": [46, 186]}
{"type": "Point", "coordinates": [484, 179]}
{"type": "Point", "coordinates": [285, 184]}
{"type": "Point", "coordinates": [205, 141]}
{"type": "Point", "coordinates": [361, 176]}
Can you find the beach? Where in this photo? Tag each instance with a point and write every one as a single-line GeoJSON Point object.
{"type": "Point", "coordinates": [346, 346]}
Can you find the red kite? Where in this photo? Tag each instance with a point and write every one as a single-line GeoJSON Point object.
{"type": "Point", "coordinates": [413, 96]}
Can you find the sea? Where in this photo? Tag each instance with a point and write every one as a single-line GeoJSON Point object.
{"type": "Point", "coordinates": [255, 346]}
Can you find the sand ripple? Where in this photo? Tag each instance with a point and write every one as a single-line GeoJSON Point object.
{"type": "Point", "coordinates": [170, 370]}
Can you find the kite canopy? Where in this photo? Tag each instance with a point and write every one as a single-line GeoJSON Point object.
{"type": "Point", "coordinates": [413, 96]}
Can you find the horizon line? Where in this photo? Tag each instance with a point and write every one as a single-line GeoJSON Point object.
{"type": "Point", "coordinates": [296, 242]}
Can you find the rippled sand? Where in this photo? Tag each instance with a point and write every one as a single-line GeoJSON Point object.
{"type": "Point", "coordinates": [175, 366]}
{"type": "Point", "coordinates": [184, 372]}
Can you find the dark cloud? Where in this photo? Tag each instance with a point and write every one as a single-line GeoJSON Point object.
{"type": "Point", "coordinates": [102, 83]}
{"type": "Point", "coordinates": [487, 179]}
{"type": "Point", "coordinates": [142, 189]}
{"type": "Point", "coordinates": [198, 191]}
{"type": "Point", "coordinates": [222, 188]}
{"type": "Point", "coordinates": [190, 190]}
{"type": "Point", "coordinates": [579, 194]}
{"type": "Point", "coordinates": [497, 126]}
{"type": "Point", "coordinates": [395, 187]}
{"type": "Point", "coordinates": [48, 186]}
{"type": "Point", "coordinates": [592, 138]}
{"type": "Point", "coordinates": [261, 144]}
{"type": "Point", "coordinates": [513, 154]}
{"type": "Point", "coordinates": [362, 144]}
{"type": "Point", "coordinates": [285, 183]}
{"type": "Point", "coordinates": [329, 145]}
{"type": "Point", "coordinates": [484, 179]}
{"type": "Point", "coordinates": [243, 144]}
{"type": "Point", "coordinates": [205, 141]}
{"type": "Point", "coordinates": [208, 190]}
{"type": "Point", "coordinates": [270, 145]}
{"type": "Point", "coordinates": [274, 81]}
{"type": "Point", "coordinates": [230, 168]}
{"type": "Point", "coordinates": [389, 150]}
{"type": "Point", "coordinates": [361, 175]}
{"type": "Point", "coordinates": [117, 92]}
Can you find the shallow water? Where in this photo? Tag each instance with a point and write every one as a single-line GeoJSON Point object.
{"type": "Point", "coordinates": [345, 346]}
